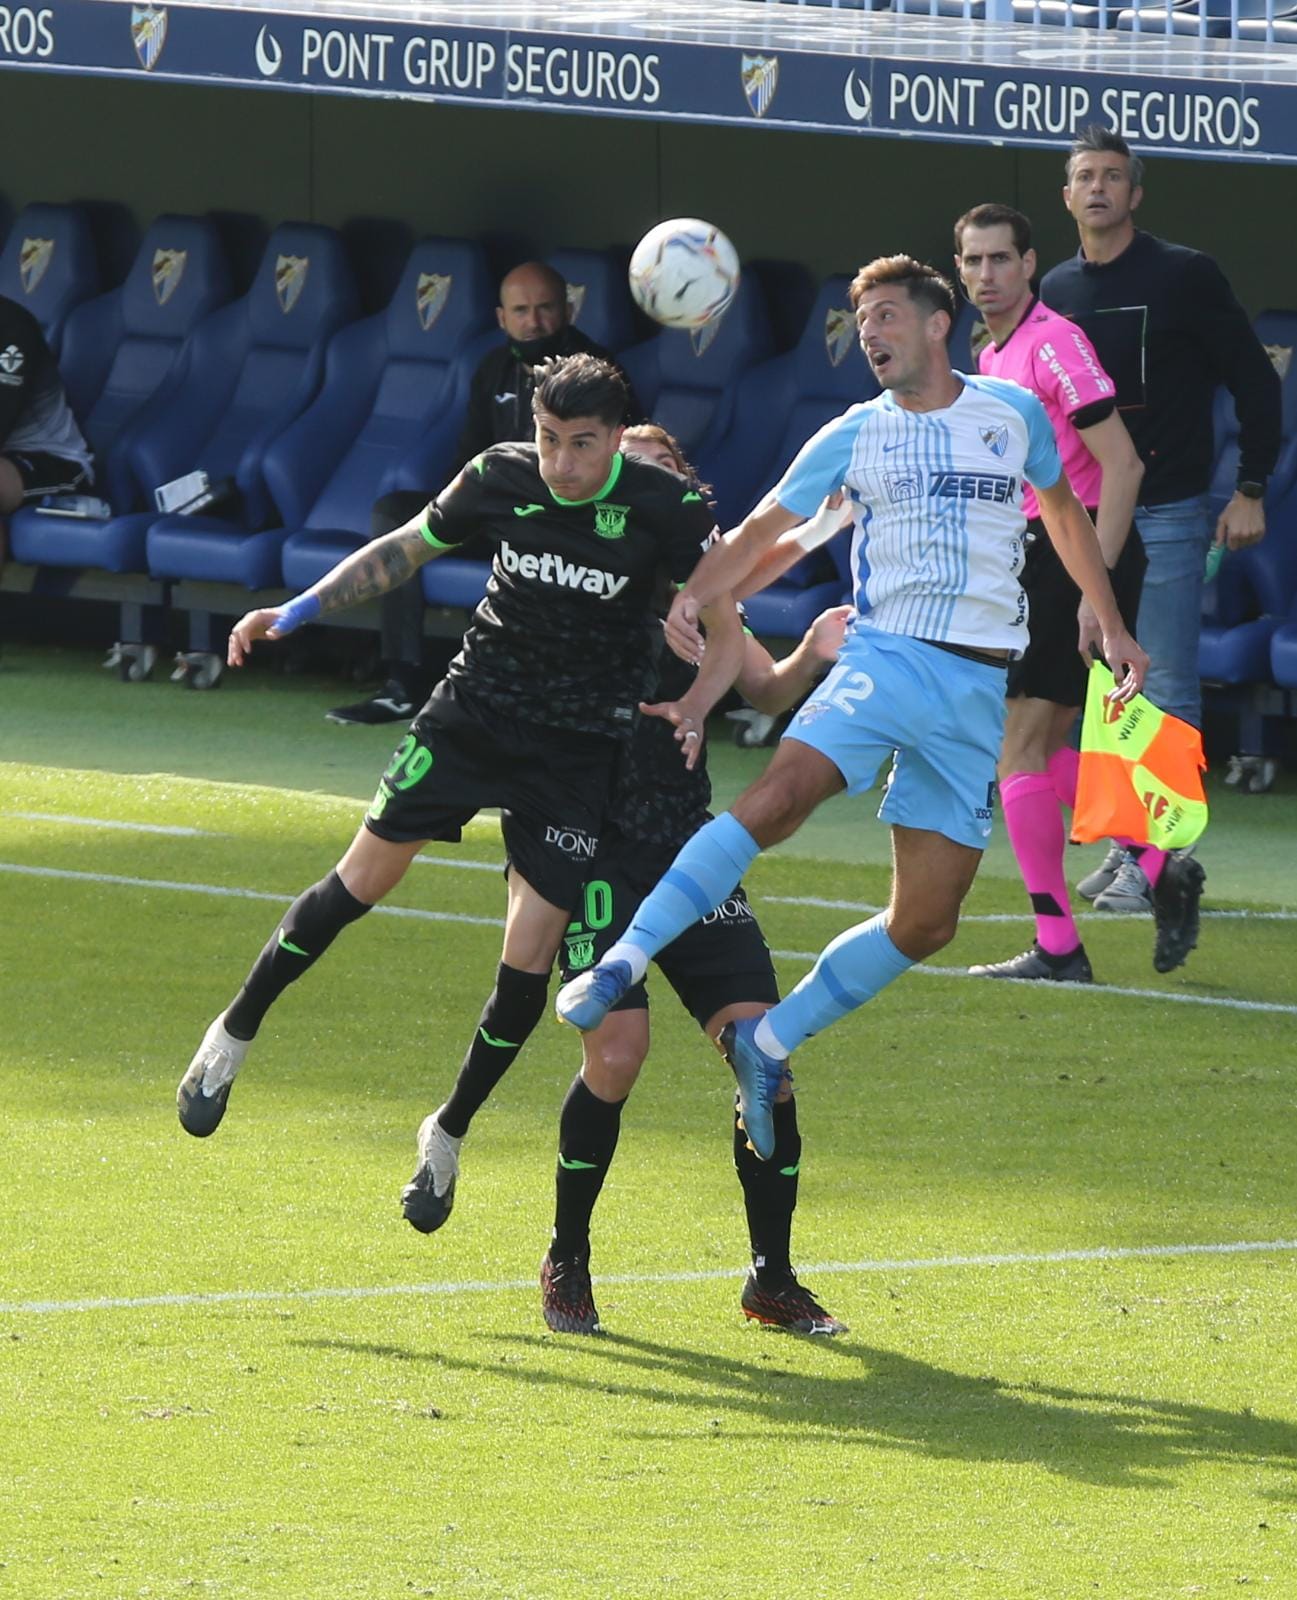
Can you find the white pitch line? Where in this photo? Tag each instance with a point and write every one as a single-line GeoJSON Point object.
{"type": "Point", "coordinates": [1008, 916]}
{"type": "Point", "coordinates": [124, 827]}
{"type": "Point", "coordinates": [1099, 1253]}
{"type": "Point", "coordinates": [926, 969]}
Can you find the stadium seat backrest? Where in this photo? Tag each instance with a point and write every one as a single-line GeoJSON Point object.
{"type": "Point", "coordinates": [119, 348]}
{"type": "Point", "coordinates": [251, 368]}
{"type": "Point", "coordinates": [1277, 331]}
{"type": "Point", "coordinates": [598, 294]}
{"type": "Point", "coordinates": [687, 380]}
{"type": "Point", "coordinates": [966, 337]}
{"type": "Point", "coordinates": [785, 401]}
{"type": "Point", "coordinates": [387, 380]}
{"type": "Point", "coordinates": [49, 266]}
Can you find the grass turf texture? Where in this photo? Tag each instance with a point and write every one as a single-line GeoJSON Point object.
{"type": "Point", "coordinates": [1046, 1428]}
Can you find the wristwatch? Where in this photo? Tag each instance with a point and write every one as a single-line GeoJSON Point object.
{"type": "Point", "coordinates": [1252, 489]}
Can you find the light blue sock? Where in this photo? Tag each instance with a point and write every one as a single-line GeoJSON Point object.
{"type": "Point", "coordinates": [702, 876]}
{"type": "Point", "coordinates": [850, 970]}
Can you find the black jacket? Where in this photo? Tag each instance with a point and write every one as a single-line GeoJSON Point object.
{"type": "Point", "coordinates": [499, 401]}
{"type": "Point", "coordinates": [1167, 328]}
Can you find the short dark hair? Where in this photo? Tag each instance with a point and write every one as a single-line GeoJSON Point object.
{"type": "Point", "coordinates": [991, 214]}
{"type": "Point", "coordinates": [654, 433]}
{"type": "Point", "coordinates": [923, 283]}
{"type": "Point", "coordinates": [1096, 139]}
{"type": "Point", "coordinates": [580, 386]}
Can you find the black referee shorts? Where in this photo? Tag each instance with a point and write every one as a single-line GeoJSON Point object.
{"type": "Point", "coordinates": [721, 961]}
{"type": "Point", "coordinates": [551, 786]}
{"type": "Point", "coordinates": [1051, 667]}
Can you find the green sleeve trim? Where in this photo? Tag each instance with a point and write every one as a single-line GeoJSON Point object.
{"type": "Point", "coordinates": [429, 537]}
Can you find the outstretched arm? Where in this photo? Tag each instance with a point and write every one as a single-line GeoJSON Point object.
{"type": "Point", "coordinates": [372, 570]}
{"type": "Point", "coordinates": [772, 686]}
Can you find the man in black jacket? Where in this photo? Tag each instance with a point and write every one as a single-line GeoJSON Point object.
{"type": "Point", "coordinates": [1168, 329]}
{"type": "Point", "coordinates": [41, 448]}
{"type": "Point", "coordinates": [535, 316]}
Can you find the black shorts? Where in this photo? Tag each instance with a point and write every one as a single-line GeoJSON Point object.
{"type": "Point", "coordinates": [551, 786]}
{"type": "Point", "coordinates": [718, 962]}
{"type": "Point", "coordinates": [1051, 667]}
{"type": "Point", "coordinates": [44, 474]}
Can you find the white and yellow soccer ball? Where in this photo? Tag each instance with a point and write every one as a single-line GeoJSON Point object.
{"type": "Point", "coordinates": [684, 273]}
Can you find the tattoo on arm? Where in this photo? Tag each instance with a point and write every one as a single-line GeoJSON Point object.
{"type": "Point", "coordinates": [383, 564]}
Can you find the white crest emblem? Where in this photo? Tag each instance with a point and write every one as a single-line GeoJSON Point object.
{"type": "Point", "coordinates": [430, 297]}
{"type": "Point", "coordinates": [839, 334]}
{"type": "Point", "coordinates": [996, 440]}
{"type": "Point", "coordinates": [1280, 358]}
{"type": "Point", "coordinates": [148, 33]}
{"type": "Point", "coordinates": [760, 76]}
{"type": "Point", "coordinates": [33, 262]}
{"type": "Point", "coordinates": [575, 300]}
{"type": "Point", "coordinates": [290, 280]}
{"type": "Point", "coordinates": [168, 269]}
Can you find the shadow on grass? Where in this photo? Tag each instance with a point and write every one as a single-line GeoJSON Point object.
{"type": "Point", "coordinates": [888, 1401]}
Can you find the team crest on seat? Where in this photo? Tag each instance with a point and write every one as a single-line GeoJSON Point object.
{"type": "Point", "coordinates": [168, 269]}
{"type": "Point", "coordinates": [839, 331]}
{"type": "Point", "coordinates": [33, 262]}
{"type": "Point", "coordinates": [610, 520]}
{"type": "Point", "coordinates": [1280, 358]}
{"type": "Point", "coordinates": [575, 300]}
{"type": "Point", "coordinates": [148, 33]}
{"type": "Point", "coordinates": [431, 296]}
{"type": "Point", "coordinates": [701, 338]}
{"type": "Point", "coordinates": [290, 280]}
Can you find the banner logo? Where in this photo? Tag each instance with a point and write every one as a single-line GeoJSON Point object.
{"type": "Point", "coordinates": [856, 97]}
{"type": "Point", "coordinates": [269, 53]}
{"type": "Point", "coordinates": [148, 34]}
{"type": "Point", "coordinates": [760, 76]}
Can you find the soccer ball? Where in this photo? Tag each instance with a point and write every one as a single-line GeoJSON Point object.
{"type": "Point", "coordinates": [684, 273]}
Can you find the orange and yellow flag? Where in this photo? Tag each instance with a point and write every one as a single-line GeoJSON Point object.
{"type": "Point", "coordinates": [1141, 772]}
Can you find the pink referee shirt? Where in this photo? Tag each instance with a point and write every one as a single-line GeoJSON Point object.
{"type": "Point", "coordinates": [1052, 357]}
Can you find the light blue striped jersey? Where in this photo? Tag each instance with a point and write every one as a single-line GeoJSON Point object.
{"type": "Point", "coordinates": [938, 508]}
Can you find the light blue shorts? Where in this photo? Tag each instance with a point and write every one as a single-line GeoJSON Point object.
{"type": "Point", "coordinates": [939, 716]}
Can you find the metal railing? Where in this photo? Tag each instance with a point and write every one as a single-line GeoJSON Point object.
{"type": "Point", "coordinates": [1204, 19]}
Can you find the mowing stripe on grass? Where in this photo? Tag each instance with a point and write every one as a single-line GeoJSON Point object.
{"type": "Point", "coordinates": [1103, 1252]}
{"type": "Point", "coordinates": [926, 969]}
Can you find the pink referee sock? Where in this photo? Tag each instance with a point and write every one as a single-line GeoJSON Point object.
{"type": "Point", "coordinates": [1035, 827]}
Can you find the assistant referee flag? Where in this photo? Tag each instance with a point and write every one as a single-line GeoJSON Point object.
{"type": "Point", "coordinates": [1141, 772]}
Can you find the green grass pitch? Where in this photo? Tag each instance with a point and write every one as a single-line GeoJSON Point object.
{"type": "Point", "coordinates": [229, 1369]}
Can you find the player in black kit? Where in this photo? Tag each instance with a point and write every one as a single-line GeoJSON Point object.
{"type": "Point", "coordinates": [720, 969]}
{"type": "Point", "coordinates": [531, 717]}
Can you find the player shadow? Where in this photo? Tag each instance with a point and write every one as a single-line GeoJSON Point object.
{"type": "Point", "coordinates": [884, 1400]}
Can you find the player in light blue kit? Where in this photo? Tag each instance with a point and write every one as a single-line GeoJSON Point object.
{"type": "Point", "coordinates": [934, 470]}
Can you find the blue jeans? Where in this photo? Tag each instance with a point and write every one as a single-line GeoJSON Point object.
{"type": "Point", "coordinates": [1176, 540]}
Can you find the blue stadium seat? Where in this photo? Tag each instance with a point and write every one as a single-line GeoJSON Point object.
{"type": "Point", "coordinates": [599, 295]}
{"type": "Point", "coordinates": [1259, 587]}
{"type": "Point", "coordinates": [455, 582]}
{"type": "Point", "coordinates": [119, 352]}
{"type": "Point", "coordinates": [966, 336]}
{"type": "Point", "coordinates": [1283, 651]}
{"type": "Point", "coordinates": [1277, 331]}
{"type": "Point", "coordinates": [686, 381]}
{"type": "Point", "coordinates": [780, 404]}
{"type": "Point", "coordinates": [252, 368]}
{"type": "Point", "coordinates": [49, 266]}
{"type": "Point", "coordinates": [390, 411]}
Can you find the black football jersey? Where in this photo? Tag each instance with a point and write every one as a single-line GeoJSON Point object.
{"type": "Point", "coordinates": [657, 799]}
{"type": "Point", "coordinates": [565, 635]}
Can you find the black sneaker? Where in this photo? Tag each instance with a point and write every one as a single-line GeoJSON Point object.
{"type": "Point", "coordinates": [1176, 898]}
{"type": "Point", "coordinates": [427, 1199]}
{"type": "Point", "coordinates": [1038, 964]}
{"type": "Point", "coordinates": [785, 1303]}
{"type": "Point", "coordinates": [392, 703]}
{"type": "Point", "coordinates": [567, 1297]}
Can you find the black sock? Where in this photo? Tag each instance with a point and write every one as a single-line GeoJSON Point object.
{"type": "Point", "coordinates": [314, 921]}
{"type": "Point", "coordinates": [516, 1005]}
{"type": "Point", "coordinates": [770, 1191]}
{"type": "Point", "coordinates": [587, 1140]}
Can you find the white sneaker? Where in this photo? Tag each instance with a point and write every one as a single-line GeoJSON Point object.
{"type": "Point", "coordinates": [205, 1087]}
{"type": "Point", "coordinates": [1128, 893]}
{"type": "Point", "coordinates": [427, 1199]}
{"type": "Point", "coordinates": [1094, 883]}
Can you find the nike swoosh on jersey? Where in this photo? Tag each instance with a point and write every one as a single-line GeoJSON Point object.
{"type": "Point", "coordinates": [507, 395]}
